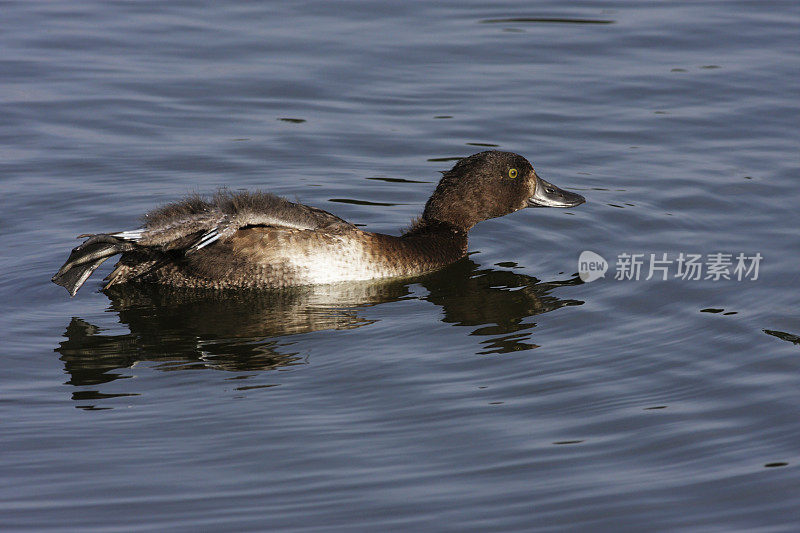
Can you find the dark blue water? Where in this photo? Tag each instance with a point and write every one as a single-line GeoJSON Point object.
{"type": "Point", "coordinates": [500, 394]}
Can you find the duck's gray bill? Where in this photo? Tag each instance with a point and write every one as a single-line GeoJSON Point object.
{"type": "Point", "coordinates": [548, 195]}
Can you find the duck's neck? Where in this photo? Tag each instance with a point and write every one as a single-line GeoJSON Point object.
{"type": "Point", "coordinates": [435, 243]}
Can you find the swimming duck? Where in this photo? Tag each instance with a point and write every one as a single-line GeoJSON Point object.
{"type": "Point", "coordinates": [259, 240]}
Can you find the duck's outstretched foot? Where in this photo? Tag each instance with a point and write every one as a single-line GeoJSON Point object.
{"type": "Point", "coordinates": [85, 259]}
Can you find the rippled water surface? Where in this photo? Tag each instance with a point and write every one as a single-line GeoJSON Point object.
{"type": "Point", "coordinates": [502, 393]}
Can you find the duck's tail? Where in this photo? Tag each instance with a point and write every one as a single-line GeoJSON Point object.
{"type": "Point", "coordinates": [85, 259]}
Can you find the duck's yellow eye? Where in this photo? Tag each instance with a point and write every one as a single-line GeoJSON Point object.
{"type": "Point", "coordinates": [512, 173]}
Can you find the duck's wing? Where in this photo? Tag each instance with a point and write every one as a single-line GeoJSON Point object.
{"type": "Point", "coordinates": [253, 209]}
{"type": "Point", "coordinates": [195, 222]}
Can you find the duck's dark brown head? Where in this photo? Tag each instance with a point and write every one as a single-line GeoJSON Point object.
{"type": "Point", "coordinates": [488, 185]}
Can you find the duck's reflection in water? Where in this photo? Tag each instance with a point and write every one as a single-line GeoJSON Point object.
{"type": "Point", "coordinates": [246, 330]}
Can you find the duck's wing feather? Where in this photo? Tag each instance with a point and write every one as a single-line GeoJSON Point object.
{"type": "Point", "coordinates": [243, 210]}
{"type": "Point", "coordinates": [195, 222]}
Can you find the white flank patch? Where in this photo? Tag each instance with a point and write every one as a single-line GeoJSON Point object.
{"type": "Point", "coordinates": [346, 263]}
